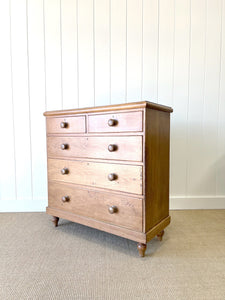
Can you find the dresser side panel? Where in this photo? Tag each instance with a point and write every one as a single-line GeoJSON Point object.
{"type": "Point", "coordinates": [157, 147]}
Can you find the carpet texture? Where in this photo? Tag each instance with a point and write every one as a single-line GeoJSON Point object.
{"type": "Point", "coordinates": [38, 261]}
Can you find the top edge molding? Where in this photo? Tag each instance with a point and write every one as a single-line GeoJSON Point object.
{"type": "Point", "coordinates": [132, 105]}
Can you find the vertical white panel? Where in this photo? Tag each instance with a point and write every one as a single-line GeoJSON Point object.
{"type": "Point", "coordinates": [21, 102]}
{"type": "Point", "coordinates": [102, 52]}
{"type": "Point", "coordinates": [69, 53]}
{"type": "Point", "coordinates": [180, 98]}
{"type": "Point", "coordinates": [166, 47]}
{"type": "Point", "coordinates": [150, 50]}
{"type": "Point", "coordinates": [211, 95]}
{"type": "Point", "coordinates": [37, 102]}
{"type": "Point", "coordinates": [86, 53]}
{"type": "Point", "coordinates": [94, 49]}
{"type": "Point", "coordinates": [134, 50]}
{"type": "Point", "coordinates": [220, 175]}
{"type": "Point", "coordinates": [7, 155]}
{"type": "Point", "coordinates": [195, 180]}
{"type": "Point", "coordinates": [53, 54]}
{"type": "Point", "coordinates": [118, 51]}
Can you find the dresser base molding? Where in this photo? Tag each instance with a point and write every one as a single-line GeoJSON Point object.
{"type": "Point", "coordinates": [140, 237]}
{"type": "Point", "coordinates": [157, 229]}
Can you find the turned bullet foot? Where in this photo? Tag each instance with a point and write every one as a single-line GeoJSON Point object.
{"type": "Point", "coordinates": [160, 235]}
{"type": "Point", "coordinates": [55, 220]}
{"type": "Point", "coordinates": [141, 249]}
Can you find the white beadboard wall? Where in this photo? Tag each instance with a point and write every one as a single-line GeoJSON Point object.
{"type": "Point", "coordinates": [58, 54]}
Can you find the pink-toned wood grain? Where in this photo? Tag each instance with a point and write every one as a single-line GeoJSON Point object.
{"type": "Point", "coordinates": [75, 125]}
{"type": "Point", "coordinates": [96, 174]}
{"type": "Point", "coordinates": [130, 121]}
{"type": "Point", "coordinates": [95, 204]}
{"type": "Point", "coordinates": [126, 147]}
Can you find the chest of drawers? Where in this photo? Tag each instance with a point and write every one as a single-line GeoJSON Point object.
{"type": "Point", "coordinates": [108, 168]}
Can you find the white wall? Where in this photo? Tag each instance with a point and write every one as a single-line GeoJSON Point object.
{"type": "Point", "coordinates": [58, 54]}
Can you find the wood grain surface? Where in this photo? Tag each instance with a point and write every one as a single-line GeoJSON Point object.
{"type": "Point", "coordinates": [100, 225]}
{"type": "Point", "coordinates": [126, 147]}
{"type": "Point", "coordinates": [74, 125]}
{"type": "Point", "coordinates": [107, 108]}
{"type": "Point", "coordinates": [96, 174]}
{"type": "Point", "coordinates": [130, 121]}
{"type": "Point", "coordinates": [89, 203]}
{"type": "Point", "coordinates": [157, 146]}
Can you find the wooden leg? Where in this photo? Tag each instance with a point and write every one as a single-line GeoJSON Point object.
{"type": "Point", "coordinates": [55, 220]}
{"type": "Point", "coordinates": [141, 249]}
{"type": "Point", "coordinates": [160, 235]}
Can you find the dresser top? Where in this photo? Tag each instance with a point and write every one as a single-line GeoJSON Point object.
{"type": "Point", "coordinates": [106, 108]}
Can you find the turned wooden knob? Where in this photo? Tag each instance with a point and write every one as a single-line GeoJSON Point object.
{"type": "Point", "coordinates": [64, 171]}
{"type": "Point", "coordinates": [65, 198]}
{"type": "Point", "coordinates": [112, 148]}
{"type": "Point", "coordinates": [64, 146]}
{"type": "Point", "coordinates": [112, 176]}
{"type": "Point", "coordinates": [112, 122]}
{"type": "Point", "coordinates": [112, 209]}
{"type": "Point", "coordinates": [63, 124]}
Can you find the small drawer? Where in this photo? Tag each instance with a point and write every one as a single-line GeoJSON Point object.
{"type": "Point", "coordinates": [106, 147]}
{"type": "Point", "coordinates": [120, 177]}
{"type": "Point", "coordinates": [115, 209]}
{"type": "Point", "coordinates": [66, 125]}
{"type": "Point", "coordinates": [117, 122]}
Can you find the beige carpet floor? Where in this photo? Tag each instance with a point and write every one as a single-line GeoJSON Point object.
{"type": "Point", "coordinates": [38, 261]}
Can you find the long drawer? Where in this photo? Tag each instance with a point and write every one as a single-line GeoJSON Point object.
{"type": "Point", "coordinates": [126, 178]}
{"type": "Point", "coordinates": [116, 122]}
{"type": "Point", "coordinates": [106, 147]}
{"type": "Point", "coordinates": [115, 209]}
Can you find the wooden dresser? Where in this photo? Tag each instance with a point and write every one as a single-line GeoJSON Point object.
{"type": "Point", "coordinates": [108, 168]}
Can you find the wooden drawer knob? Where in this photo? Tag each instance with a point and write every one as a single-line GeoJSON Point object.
{"type": "Point", "coordinates": [112, 148]}
{"type": "Point", "coordinates": [65, 198]}
{"type": "Point", "coordinates": [64, 146]}
{"type": "Point", "coordinates": [112, 176]}
{"type": "Point", "coordinates": [112, 122]}
{"type": "Point", "coordinates": [112, 209]}
{"type": "Point", "coordinates": [64, 171]}
{"type": "Point", "coordinates": [63, 124]}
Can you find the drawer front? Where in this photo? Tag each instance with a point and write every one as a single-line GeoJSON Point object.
{"type": "Point", "coordinates": [120, 148]}
{"type": "Point", "coordinates": [66, 125]}
{"type": "Point", "coordinates": [126, 178]}
{"type": "Point", "coordinates": [125, 211]}
{"type": "Point", "coordinates": [118, 122]}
